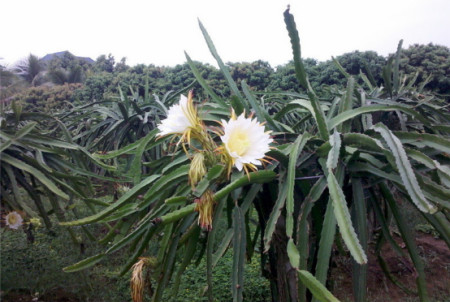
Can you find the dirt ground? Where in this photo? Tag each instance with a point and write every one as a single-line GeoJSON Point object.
{"type": "Point", "coordinates": [57, 295]}
{"type": "Point", "coordinates": [434, 252]}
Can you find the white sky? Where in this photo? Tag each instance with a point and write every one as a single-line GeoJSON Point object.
{"type": "Point", "coordinates": [158, 32]}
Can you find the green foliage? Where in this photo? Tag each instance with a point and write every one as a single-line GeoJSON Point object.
{"type": "Point", "coordinates": [105, 63]}
{"type": "Point", "coordinates": [10, 83]}
{"type": "Point", "coordinates": [94, 88]}
{"type": "Point", "coordinates": [368, 62]}
{"type": "Point", "coordinates": [194, 279]}
{"type": "Point", "coordinates": [66, 60]}
{"type": "Point", "coordinates": [41, 168]}
{"type": "Point", "coordinates": [47, 99]}
{"type": "Point", "coordinates": [332, 155]}
{"type": "Point", "coordinates": [32, 263]}
{"type": "Point", "coordinates": [36, 266]}
{"type": "Point", "coordinates": [428, 60]}
{"type": "Point", "coordinates": [30, 70]}
{"type": "Point", "coordinates": [66, 68]}
{"type": "Point", "coordinates": [324, 74]}
{"type": "Point", "coordinates": [354, 140]}
{"type": "Point", "coordinates": [61, 76]}
{"type": "Point", "coordinates": [111, 124]}
{"type": "Point", "coordinates": [257, 74]}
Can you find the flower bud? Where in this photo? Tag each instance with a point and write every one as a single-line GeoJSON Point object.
{"type": "Point", "coordinates": [205, 208]}
{"type": "Point", "coordinates": [197, 169]}
{"type": "Point", "coordinates": [36, 222]}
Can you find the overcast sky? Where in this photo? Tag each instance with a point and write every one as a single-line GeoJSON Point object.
{"type": "Point", "coordinates": [158, 32]}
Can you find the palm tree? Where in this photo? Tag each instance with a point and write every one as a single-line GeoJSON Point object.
{"type": "Point", "coordinates": [31, 70]}
{"type": "Point", "coordinates": [59, 76]}
{"type": "Point", "coordinates": [9, 83]}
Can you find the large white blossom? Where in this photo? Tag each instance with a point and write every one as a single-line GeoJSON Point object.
{"type": "Point", "coordinates": [245, 140]}
{"type": "Point", "coordinates": [13, 220]}
{"type": "Point", "coordinates": [179, 119]}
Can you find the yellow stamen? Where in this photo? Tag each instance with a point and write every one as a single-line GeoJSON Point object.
{"type": "Point", "coordinates": [239, 142]}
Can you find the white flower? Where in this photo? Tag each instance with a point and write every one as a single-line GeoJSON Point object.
{"type": "Point", "coordinates": [180, 118]}
{"type": "Point", "coordinates": [245, 141]}
{"type": "Point", "coordinates": [13, 220]}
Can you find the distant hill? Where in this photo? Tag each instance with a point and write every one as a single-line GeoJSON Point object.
{"type": "Point", "coordinates": [61, 54]}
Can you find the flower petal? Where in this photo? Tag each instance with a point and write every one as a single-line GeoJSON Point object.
{"type": "Point", "coordinates": [245, 140]}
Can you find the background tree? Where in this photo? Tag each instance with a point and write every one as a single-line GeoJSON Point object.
{"type": "Point", "coordinates": [429, 60]}
{"type": "Point", "coordinates": [284, 79]}
{"type": "Point", "coordinates": [67, 68]}
{"type": "Point", "coordinates": [30, 70]}
{"type": "Point", "coordinates": [353, 63]}
{"type": "Point", "coordinates": [105, 63]}
{"type": "Point", "coordinates": [61, 76]}
{"type": "Point", "coordinates": [122, 65]}
{"type": "Point", "coordinates": [10, 83]}
{"type": "Point", "coordinates": [257, 74]}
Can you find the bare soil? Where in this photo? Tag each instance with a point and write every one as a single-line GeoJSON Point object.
{"type": "Point", "coordinates": [435, 255]}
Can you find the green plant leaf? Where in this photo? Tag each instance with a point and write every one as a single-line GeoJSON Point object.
{"type": "Point", "coordinates": [409, 242]}
{"type": "Point", "coordinates": [346, 105]}
{"type": "Point", "coordinates": [134, 235]}
{"type": "Point", "coordinates": [333, 155]}
{"type": "Point", "coordinates": [326, 243]}
{"type": "Point", "coordinates": [262, 176]}
{"type": "Point", "coordinates": [178, 214]}
{"type": "Point", "coordinates": [18, 135]}
{"type": "Point", "coordinates": [319, 291]}
{"type": "Point", "coordinates": [405, 170]}
{"type": "Point", "coordinates": [162, 183]}
{"type": "Point", "coordinates": [210, 246]}
{"type": "Point", "coordinates": [387, 76]}
{"type": "Point", "coordinates": [151, 230]}
{"type": "Point", "coordinates": [84, 264]}
{"type": "Point", "coordinates": [297, 149]}
{"type": "Point", "coordinates": [202, 81]}
{"type": "Point", "coordinates": [239, 244]}
{"type": "Point", "coordinates": [176, 200]}
{"type": "Point", "coordinates": [191, 248]}
{"type": "Point", "coordinates": [16, 191]}
{"type": "Point", "coordinates": [342, 215]}
{"type": "Point", "coordinates": [252, 101]}
{"type": "Point", "coordinates": [395, 72]}
{"type": "Point", "coordinates": [209, 179]}
{"type": "Point", "coordinates": [36, 173]}
{"type": "Point", "coordinates": [349, 114]}
{"type": "Point", "coordinates": [341, 69]}
{"type": "Point", "coordinates": [222, 67]}
{"type": "Point", "coordinates": [384, 225]}
{"type": "Point", "coordinates": [136, 164]}
{"type": "Point", "coordinates": [423, 140]}
{"type": "Point", "coordinates": [127, 197]}
{"type": "Point", "coordinates": [293, 254]}
{"type": "Point", "coordinates": [275, 214]}
{"type": "Point", "coordinates": [359, 274]}
{"type": "Point", "coordinates": [303, 228]}
{"type": "Point", "coordinates": [302, 76]}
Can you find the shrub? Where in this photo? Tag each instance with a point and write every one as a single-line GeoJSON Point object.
{"type": "Point", "coordinates": [47, 99]}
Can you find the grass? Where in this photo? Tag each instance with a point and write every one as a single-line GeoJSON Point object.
{"type": "Point", "coordinates": [33, 269]}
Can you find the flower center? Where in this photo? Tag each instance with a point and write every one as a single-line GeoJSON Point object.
{"type": "Point", "coordinates": [12, 219]}
{"type": "Point", "coordinates": [238, 142]}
